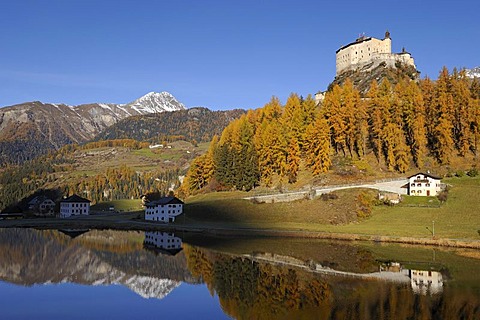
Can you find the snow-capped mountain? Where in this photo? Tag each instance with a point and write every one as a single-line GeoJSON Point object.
{"type": "Point", "coordinates": [33, 128]}
{"type": "Point", "coordinates": [473, 73]}
{"type": "Point", "coordinates": [154, 102]}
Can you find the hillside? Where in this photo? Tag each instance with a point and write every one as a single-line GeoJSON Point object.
{"type": "Point", "coordinates": [362, 78]}
{"type": "Point", "coordinates": [31, 129]}
{"type": "Point", "coordinates": [199, 124]}
{"type": "Point", "coordinates": [407, 127]}
{"type": "Point", "coordinates": [101, 171]}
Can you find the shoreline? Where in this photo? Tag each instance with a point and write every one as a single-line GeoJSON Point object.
{"type": "Point", "coordinates": [140, 225]}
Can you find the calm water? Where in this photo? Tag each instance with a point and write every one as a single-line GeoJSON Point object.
{"type": "Point", "coordinates": [154, 275]}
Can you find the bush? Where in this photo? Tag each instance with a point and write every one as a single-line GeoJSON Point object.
{"type": "Point", "coordinates": [328, 196]}
{"type": "Point", "coordinates": [460, 173]}
{"type": "Point", "coordinates": [473, 172]}
{"type": "Point", "coordinates": [365, 202]}
{"type": "Point", "coordinates": [442, 196]}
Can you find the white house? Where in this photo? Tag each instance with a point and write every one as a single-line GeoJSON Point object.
{"type": "Point", "coordinates": [424, 184]}
{"type": "Point", "coordinates": [163, 241]}
{"type": "Point", "coordinates": [74, 206]}
{"type": "Point", "coordinates": [164, 210]}
{"type": "Point", "coordinates": [42, 206]}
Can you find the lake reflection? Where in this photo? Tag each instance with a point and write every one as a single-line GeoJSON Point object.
{"type": "Point", "coordinates": [125, 275]}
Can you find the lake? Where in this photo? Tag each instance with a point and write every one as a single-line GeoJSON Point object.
{"type": "Point", "coordinates": [93, 274]}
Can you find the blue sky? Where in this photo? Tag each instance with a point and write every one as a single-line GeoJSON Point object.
{"type": "Point", "coordinates": [218, 54]}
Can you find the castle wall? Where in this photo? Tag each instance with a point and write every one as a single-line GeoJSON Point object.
{"type": "Point", "coordinates": [360, 52]}
{"type": "Point", "coordinates": [365, 50]}
{"type": "Point", "coordinates": [392, 58]}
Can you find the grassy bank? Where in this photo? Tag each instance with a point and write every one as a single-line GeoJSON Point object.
{"type": "Point", "coordinates": [458, 218]}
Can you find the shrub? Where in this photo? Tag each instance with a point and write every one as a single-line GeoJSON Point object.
{"type": "Point", "coordinates": [328, 196]}
{"type": "Point", "coordinates": [365, 202]}
{"type": "Point", "coordinates": [473, 172]}
{"type": "Point", "coordinates": [442, 196]}
{"type": "Point", "coordinates": [460, 173]}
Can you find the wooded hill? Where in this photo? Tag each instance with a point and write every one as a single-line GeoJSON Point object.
{"type": "Point", "coordinates": [195, 124]}
{"type": "Point", "coordinates": [403, 126]}
{"type": "Point", "coordinates": [34, 129]}
{"type": "Point", "coordinates": [99, 171]}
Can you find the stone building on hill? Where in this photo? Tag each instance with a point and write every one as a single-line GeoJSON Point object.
{"type": "Point", "coordinates": [368, 50]}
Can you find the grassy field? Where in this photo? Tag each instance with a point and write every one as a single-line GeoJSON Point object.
{"type": "Point", "coordinates": [458, 218]}
{"type": "Point", "coordinates": [230, 209]}
{"type": "Point", "coordinates": [124, 205]}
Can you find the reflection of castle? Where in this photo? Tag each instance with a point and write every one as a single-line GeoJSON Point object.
{"type": "Point", "coordinates": [424, 282]}
{"type": "Point", "coordinates": [162, 241]}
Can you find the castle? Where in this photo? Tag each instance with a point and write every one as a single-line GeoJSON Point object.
{"type": "Point", "coordinates": [367, 50]}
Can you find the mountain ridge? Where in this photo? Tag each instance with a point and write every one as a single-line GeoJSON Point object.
{"type": "Point", "coordinates": [30, 129]}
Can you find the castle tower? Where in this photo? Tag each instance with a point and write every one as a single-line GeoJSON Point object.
{"type": "Point", "coordinates": [387, 42]}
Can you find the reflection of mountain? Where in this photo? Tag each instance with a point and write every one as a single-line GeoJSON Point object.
{"type": "Point", "coordinates": [149, 287]}
{"type": "Point", "coordinates": [29, 257]}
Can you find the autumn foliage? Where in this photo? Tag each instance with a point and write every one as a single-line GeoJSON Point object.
{"type": "Point", "coordinates": [401, 125]}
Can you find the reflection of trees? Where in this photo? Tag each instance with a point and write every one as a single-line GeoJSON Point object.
{"type": "Point", "coordinates": [255, 290]}
{"type": "Point", "coordinates": [252, 290]}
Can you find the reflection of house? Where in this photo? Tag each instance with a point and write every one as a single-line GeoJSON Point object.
{"type": "Point", "coordinates": [74, 206]}
{"type": "Point", "coordinates": [424, 282]}
{"type": "Point", "coordinates": [423, 184]}
{"type": "Point", "coordinates": [162, 241]}
{"type": "Point", "coordinates": [73, 233]}
{"type": "Point", "coordinates": [164, 210]}
{"type": "Point", "coordinates": [42, 206]}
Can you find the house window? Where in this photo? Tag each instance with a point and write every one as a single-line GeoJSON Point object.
{"type": "Point", "coordinates": [419, 191]}
{"type": "Point", "coordinates": [413, 191]}
{"type": "Point", "coordinates": [413, 185]}
{"type": "Point", "coordinates": [419, 184]}
{"type": "Point", "coordinates": [427, 185]}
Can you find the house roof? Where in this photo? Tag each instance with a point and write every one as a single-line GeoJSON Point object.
{"type": "Point", "coordinates": [425, 174]}
{"type": "Point", "coordinates": [164, 201]}
{"type": "Point", "coordinates": [75, 198]}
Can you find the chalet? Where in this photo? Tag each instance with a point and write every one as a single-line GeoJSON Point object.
{"type": "Point", "coordinates": [424, 184]}
{"type": "Point", "coordinates": [41, 206]}
{"type": "Point", "coordinates": [163, 210]}
{"type": "Point", "coordinates": [74, 206]}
